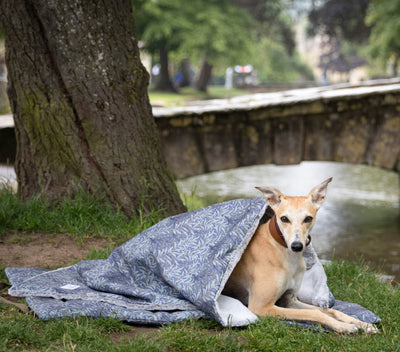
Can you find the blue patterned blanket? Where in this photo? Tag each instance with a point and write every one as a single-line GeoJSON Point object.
{"type": "Point", "coordinates": [173, 271]}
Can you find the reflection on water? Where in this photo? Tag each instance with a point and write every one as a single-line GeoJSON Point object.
{"type": "Point", "coordinates": [359, 220]}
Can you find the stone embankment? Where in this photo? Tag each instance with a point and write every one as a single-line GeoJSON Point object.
{"type": "Point", "coordinates": [354, 124]}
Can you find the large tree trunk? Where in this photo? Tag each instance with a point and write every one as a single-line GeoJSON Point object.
{"type": "Point", "coordinates": [164, 82]}
{"type": "Point", "coordinates": [79, 97]}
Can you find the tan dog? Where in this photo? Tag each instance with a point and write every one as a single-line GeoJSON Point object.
{"type": "Point", "coordinates": [270, 272]}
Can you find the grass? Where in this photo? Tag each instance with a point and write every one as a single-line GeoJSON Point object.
{"type": "Point", "coordinates": [187, 94]}
{"type": "Point", "coordinates": [85, 216]}
{"type": "Point", "coordinates": [82, 216]}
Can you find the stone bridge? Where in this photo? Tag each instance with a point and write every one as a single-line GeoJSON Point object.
{"type": "Point", "coordinates": [354, 124]}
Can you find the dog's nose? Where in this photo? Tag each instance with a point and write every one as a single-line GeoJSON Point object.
{"type": "Point", "coordinates": [297, 246]}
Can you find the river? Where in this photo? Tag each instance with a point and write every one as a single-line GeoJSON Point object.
{"type": "Point", "coordinates": [359, 220]}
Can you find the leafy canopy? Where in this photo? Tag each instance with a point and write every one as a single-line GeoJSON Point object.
{"type": "Point", "coordinates": [216, 27]}
{"type": "Point", "coordinates": [383, 15]}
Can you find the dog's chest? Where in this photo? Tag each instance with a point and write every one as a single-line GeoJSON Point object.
{"type": "Point", "coordinates": [295, 272]}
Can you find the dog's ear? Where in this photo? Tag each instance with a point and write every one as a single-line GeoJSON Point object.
{"type": "Point", "coordinates": [318, 193]}
{"type": "Point", "coordinates": [272, 195]}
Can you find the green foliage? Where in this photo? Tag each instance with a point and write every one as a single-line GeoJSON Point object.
{"type": "Point", "coordinates": [276, 65]}
{"type": "Point", "coordinates": [220, 30]}
{"type": "Point", "coordinates": [212, 26]}
{"type": "Point", "coordinates": [225, 33]}
{"type": "Point", "coordinates": [160, 24]}
{"type": "Point", "coordinates": [383, 15]}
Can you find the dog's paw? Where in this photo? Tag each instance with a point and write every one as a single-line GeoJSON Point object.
{"type": "Point", "coordinates": [366, 327]}
{"type": "Point", "coordinates": [346, 328]}
{"type": "Point", "coordinates": [370, 328]}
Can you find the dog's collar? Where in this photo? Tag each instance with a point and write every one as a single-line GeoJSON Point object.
{"type": "Point", "coordinates": [277, 233]}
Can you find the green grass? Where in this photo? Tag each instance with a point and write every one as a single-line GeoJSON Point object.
{"type": "Point", "coordinates": [189, 94]}
{"type": "Point", "coordinates": [25, 332]}
{"type": "Point", "coordinates": [20, 332]}
{"type": "Point", "coordinates": [82, 216]}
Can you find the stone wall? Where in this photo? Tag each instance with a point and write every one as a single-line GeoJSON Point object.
{"type": "Point", "coordinates": [356, 125]}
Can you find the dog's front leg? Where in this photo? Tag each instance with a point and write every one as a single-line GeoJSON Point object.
{"type": "Point", "coordinates": [369, 328]}
{"type": "Point", "coordinates": [308, 315]}
{"type": "Point", "coordinates": [262, 302]}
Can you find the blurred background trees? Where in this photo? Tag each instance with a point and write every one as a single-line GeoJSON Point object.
{"type": "Point", "coordinates": [213, 35]}
{"type": "Point", "coordinates": [384, 18]}
{"type": "Point", "coordinates": [193, 43]}
{"type": "Point", "coordinates": [278, 41]}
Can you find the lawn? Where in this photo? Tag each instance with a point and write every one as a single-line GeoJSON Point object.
{"type": "Point", "coordinates": [86, 218]}
{"type": "Point", "coordinates": [187, 94]}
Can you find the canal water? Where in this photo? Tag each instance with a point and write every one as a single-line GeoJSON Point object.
{"type": "Point", "coordinates": [359, 220]}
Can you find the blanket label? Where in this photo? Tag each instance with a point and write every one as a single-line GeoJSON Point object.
{"type": "Point", "coordinates": [70, 287]}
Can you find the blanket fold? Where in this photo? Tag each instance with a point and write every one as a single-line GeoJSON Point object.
{"type": "Point", "coordinates": [172, 271]}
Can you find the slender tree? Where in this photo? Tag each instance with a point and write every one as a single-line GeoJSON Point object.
{"type": "Point", "coordinates": [78, 92]}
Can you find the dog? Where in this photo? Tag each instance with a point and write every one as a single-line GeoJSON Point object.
{"type": "Point", "coordinates": [269, 274]}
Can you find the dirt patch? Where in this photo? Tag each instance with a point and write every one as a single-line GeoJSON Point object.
{"type": "Point", "coordinates": [133, 332]}
{"type": "Point", "coordinates": [44, 250]}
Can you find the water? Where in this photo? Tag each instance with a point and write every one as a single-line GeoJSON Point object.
{"type": "Point", "coordinates": [359, 220]}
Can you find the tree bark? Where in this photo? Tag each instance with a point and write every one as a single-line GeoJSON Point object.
{"type": "Point", "coordinates": [164, 83]}
{"type": "Point", "coordinates": [78, 92]}
{"type": "Point", "coordinates": [187, 74]}
{"type": "Point", "coordinates": [395, 67]}
{"type": "Point", "coordinates": [204, 76]}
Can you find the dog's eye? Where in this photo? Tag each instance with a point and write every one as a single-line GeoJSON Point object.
{"type": "Point", "coordinates": [284, 219]}
{"type": "Point", "coordinates": [308, 219]}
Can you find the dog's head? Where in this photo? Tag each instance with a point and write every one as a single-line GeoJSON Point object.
{"type": "Point", "coordinates": [295, 216]}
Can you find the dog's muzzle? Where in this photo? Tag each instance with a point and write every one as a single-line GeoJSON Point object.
{"type": "Point", "coordinates": [297, 246]}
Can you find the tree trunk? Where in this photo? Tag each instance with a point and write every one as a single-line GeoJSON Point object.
{"type": "Point", "coordinates": [204, 76]}
{"type": "Point", "coordinates": [78, 92]}
{"type": "Point", "coordinates": [164, 83]}
{"type": "Point", "coordinates": [187, 73]}
{"type": "Point", "coordinates": [395, 67]}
